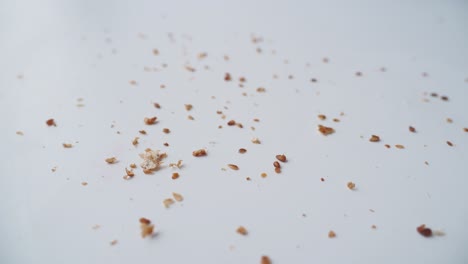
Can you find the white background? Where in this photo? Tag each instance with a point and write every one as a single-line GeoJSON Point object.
{"type": "Point", "coordinates": [65, 50]}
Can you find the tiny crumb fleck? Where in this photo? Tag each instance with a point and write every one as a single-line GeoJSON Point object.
{"type": "Point", "coordinates": [227, 77]}
{"type": "Point", "coordinates": [111, 160]}
{"type": "Point", "coordinates": [175, 176]}
{"type": "Point", "coordinates": [449, 120]}
{"type": "Point", "coordinates": [387, 146]}
{"type": "Point", "coordinates": [133, 82]}
{"type": "Point", "coordinates": [20, 133]}
{"type": "Point", "coordinates": [265, 260]}
{"type": "Point", "coordinates": [444, 98]}
{"type": "Point", "coordinates": [166, 144]}
{"type": "Point", "coordinates": [84, 183]}
{"type": "Point", "coordinates": [276, 164]}
{"type": "Point", "coordinates": [336, 120]}
{"type": "Point", "coordinates": [242, 230]}
{"type": "Point", "coordinates": [190, 117]}
{"type": "Point", "coordinates": [242, 150]}
{"type": "Point", "coordinates": [450, 143]}
{"type": "Point", "coordinates": [322, 117]}
{"type": "Point", "coordinates": [233, 167]}
{"type": "Point", "coordinates": [326, 130]}
{"type": "Point", "coordinates": [322, 179]}
{"type": "Point", "coordinates": [263, 175]}
{"type": "Point", "coordinates": [465, 129]}
{"type": "Point", "coordinates": [255, 141]}
{"type": "Point", "coordinates": [281, 157]}
{"type": "Point", "coordinates": [412, 129]}
{"type": "Point", "coordinates": [143, 132]}
{"type": "Point", "coordinates": [358, 74]}
{"type": "Point", "coordinates": [199, 153]}
{"type": "Point", "coordinates": [157, 105]}
{"type": "Point", "coordinates": [113, 242]}
{"type": "Point", "coordinates": [166, 130]}
{"type": "Point", "coordinates": [398, 146]}
{"type": "Point", "coordinates": [178, 197]}
{"type": "Point", "coordinates": [155, 52]}
{"type": "Point", "coordinates": [261, 90]}
{"type": "Point", "coordinates": [168, 202]}
{"type": "Point", "coordinates": [135, 141]}
{"type": "Point", "coordinates": [188, 107]}
{"type": "Point", "coordinates": [150, 120]}
{"type": "Point", "coordinates": [51, 122]}
{"type": "Point", "coordinates": [374, 138]}
{"type": "Point", "coordinates": [331, 234]}
{"type": "Point", "coordinates": [231, 123]}
{"type": "Point", "coordinates": [278, 170]}
{"type": "Point", "coordinates": [67, 145]}
{"type": "Point", "coordinates": [351, 185]}
{"type": "Point", "coordinates": [373, 226]}
{"type": "Point", "coordinates": [424, 231]}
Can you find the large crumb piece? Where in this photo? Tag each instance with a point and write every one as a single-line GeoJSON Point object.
{"type": "Point", "coordinates": [424, 231]}
{"type": "Point", "coordinates": [331, 234]}
{"type": "Point", "coordinates": [178, 197]}
{"type": "Point", "coordinates": [326, 130]}
{"type": "Point", "coordinates": [374, 138]}
{"type": "Point", "coordinates": [51, 122]}
{"type": "Point", "coordinates": [67, 145]}
{"type": "Point", "coordinates": [233, 166]}
{"type": "Point", "coordinates": [265, 260]}
{"type": "Point", "coordinates": [242, 230]}
{"type": "Point", "coordinates": [168, 202]}
{"type": "Point", "coordinates": [111, 160]}
{"type": "Point", "coordinates": [147, 228]}
{"type": "Point", "coordinates": [152, 159]}
{"type": "Point", "coordinates": [150, 120]}
{"type": "Point", "coordinates": [199, 153]}
{"type": "Point", "coordinates": [351, 185]}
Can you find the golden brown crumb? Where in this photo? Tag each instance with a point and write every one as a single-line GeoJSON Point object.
{"type": "Point", "coordinates": [158, 106]}
{"type": "Point", "coordinates": [113, 242]}
{"type": "Point", "coordinates": [146, 227]}
{"type": "Point", "coordinates": [242, 79]}
{"type": "Point", "coordinates": [175, 175]}
{"type": "Point", "coordinates": [135, 141]}
{"type": "Point", "coordinates": [240, 125]}
{"type": "Point", "coordinates": [325, 130]}
{"type": "Point", "coordinates": [233, 167]}
{"type": "Point", "coordinates": [278, 170]}
{"type": "Point", "coordinates": [166, 130]}
{"type": "Point", "coordinates": [241, 230]}
{"type": "Point", "coordinates": [331, 234]}
{"type": "Point", "coordinates": [450, 143]}
{"type": "Point", "coordinates": [199, 153]}
{"type": "Point", "coordinates": [265, 260]}
{"type": "Point", "coordinates": [129, 173]}
{"type": "Point", "coordinates": [190, 117]}
{"type": "Point", "coordinates": [231, 123]}
{"type": "Point", "coordinates": [256, 120]}
{"type": "Point", "coordinates": [67, 145]}
{"type": "Point", "coordinates": [178, 197]}
{"type": "Point", "coordinates": [336, 120]}
{"type": "Point", "coordinates": [133, 166]}
{"type": "Point", "coordinates": [20, 133]}
{"type": "Point", "coordinates": [281, 158]}
{"type": "Point", "coordinates": [276, 164]}
{"type": "Point", "coordinates": [51, 122]}
{"type": "Point", "coordinates": [412, 129]}
{"type": "Point", "coordinates": [424, 231]}
{"type": "Point", "coordinates": [143, 132]}
{"type": "Point", "coordinates": [263, 175]}
{"type": "Point", "coordinates": [227, 77]}
{"type": "Point", "coordinates": [322, 117]}
{"type": "Point", "coordinates": [166, 144]}
{"type": "Point", "coordinates": [261, 90]}
{"type": "Point", "coordinates": [150, 120]}
{"type": "Point", "coordinates": [168, 202]}
{"type": "Point", "coordinates": [176, 165]}
{"type": "Point", "coordinates": [242, 150]}
{"type": "Point", "coordinates": [255, 141]}
{"type": "Point", "coordinates": [374, 138]}
{"type": "Point", "coordinates": [351, 185]}
{"type": "Point", "coordinates": [111, 160]}
{"type": "Point", "coordinates": [387, 145]}
{"type": "Point", "coordinates": [188, 107]}
{"type": "Point", "coordinates": [399, 146]}
{"type": "Point", "coordinates": [84, 183]}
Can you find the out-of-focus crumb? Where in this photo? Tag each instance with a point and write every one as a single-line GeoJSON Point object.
{"type": "Point", "coordinates": [157, 105]}
{"type": "Point", "coordinates": [143, 132]}
{"type": "Point", "coordinates": [150, 120]}
{"type": "Point", "coordinates": [133, 166]}
{"type": "Point", "coordinates": [449, 120]}
{"type": "Point", "coordinates": [113, 242]}
{"type": "Point", "coordinates": [255, 141]}
{"type": "Point", "coordinates": [190, 117]}
{"type": "Point", "coordinates": [398, 146]}
{"type": "Point", "coordinates": [67, 145]}
{"type": "Point", "coordinates": [188, 107]}
{"type": "Point", "coordinates": [84, 183]}
{"type": "Point", "coordinates": [51, 122]}
{"type": "Point", "coordinates": [374, 138]}
{"type": "Point", "coordinates": [261, 90]}
{"type": "Point", "coordinates": [242, 150]}
{"type": "Point", "coordinates": [111, 160]}
{"type": "Point", "coordinates": [322, 117]}
{"type": "Point", "coordinates": [326, 130]}
{"type": "Point", "coordinates": [176, 165]}
{"type": "Point", "coordinates": [242, 230]}
{"type": "Point", "coordinates": [424, 231]}
{"type": "Point", "coordinates": [331, 234]}
{"type": "Point", "coordinates": [265, 260]}
{"type": "Point", "coordinates": [54, 169]}
{"type": "Point", "coordinates": [20, 133]}
{"type": "Point", "coordinates": [133, 82]}
{"type": "Point", "coordinates": [450, 143]}
{"type": "Point", "coordinates": [263, 175]}
{"type": "Point", "coordinates": [351, 185]}
{"type": "Point", "coordinates": [166, 130]}
{"type": "Point", "coordinates": [199, 153]}
{"type": "Point", "coordinates": [168, 202]}
{"type": "Point", "coordinates": [178, 197]}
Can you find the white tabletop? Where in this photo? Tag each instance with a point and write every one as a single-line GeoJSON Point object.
{"type": "Point", "coordinates": [55, 52]}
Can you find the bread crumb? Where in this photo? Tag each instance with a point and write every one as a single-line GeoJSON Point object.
{"type": "Point", "coordinates": [150, 120]}
{"type": "Point", "coordinates": [166, 130]}
{"type": "Point", "coordinates": [450, 143]}
{"type": "Point", "coordinates": [325, 130]}
{"type": "Point", "coordinates": [152, 160]}
{"type": "Point", "coordinates": [242, 230]}
{"type": "Point", "coordinates": [168, 202]}
{"type": "Point", "coordinates": [336, 120]}
{"type": "Point", "coordinates": [281, 158]}
{"type": "Point", "coordinates": [351, 185]}
{"type": "Point", "coordinates": [265, 260]}
{"type": "Point", "coordinates": [242, 150]}
{"type": "Point", "coordinates": [231, 123]}
{"type": "Point", "coordinates": [424, 231]}
{"type": "Point", "coordinates": [129, 174]}
{"type": "Point", "coordinates": [449, 120]}
{"type": "Point", "coordinates": [261, 90]}
{"type": "Point", "coordinates": [20, 133]}
{"type": "Point", "coordinates": [263, 175]}
{"type": "Point", "coordinates": [278, 170]}
{"type": "Point", "coordinates": [133, 166]}
{"type": "Point", "coordinates": [255, 141]}
{"type": "Point", "coordinates": [188, 107]}
{"type": "Point", "coordinates": [322, 117]}
{"type": "Point", "coordinates": [146, 227]}
{"type": "Point", "coordinates": [157, 105]}
{"type": "Point", "coordinates": [51, 122]}
{"type": "Point", "coordinates": [398, 146]}
{"type": "Point", "coordinates": [233, 167]}
{"type": "Point", "coordinates": [67, 145]}
{"type": "Point", "coordinates": [113, 242]}
{"type": "Point", "coordinates": [178, 197]}
{"type": "Point", "coordinates": [199, 153]}
{"type": "Point", "coordinates": [190, 117]}
{"type": "Point", "coordinates": [175, 175]}
{"type": "Point", "coordinates": [227, 77]}
{"type": "Point", "coordinates": [465, 129]}
{"type": "Point", "coordinates": [331, 234]}
{"type": "Point", "coordinates": [176, 165]}
{"type": "Point", "coordinates": [387, 145]}
{"type": "Point", "coordinates": [374, 227]}
{"type": "Point", "coordinates": [143, 132]}
{"type": "Point", "coordinates": [412, 129]}
{"type": "Point", "coordinates": [54, 169]}
{"type": "Point", "coordinates": [84, 183]}
{"type": "Point", "coordinates": [276, 164]}
{"type": "Point", "coordinates": [133, 82]}
{"type": "Point", "coordinates": [111, 160]}
{"type": "Point", "coordinates": [374, 138]}
{"type": "Point", "coordinates": [135, 141]}
{"type": "Point", "coordinates": [155, 52]}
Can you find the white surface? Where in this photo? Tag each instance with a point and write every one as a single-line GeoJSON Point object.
{"type": "Point", "coordinates": [92, 49]}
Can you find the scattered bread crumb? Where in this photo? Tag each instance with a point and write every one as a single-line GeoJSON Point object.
{"type": "Point", "coordinates": [450, 143]}
{"type": "Point", "coordinates": [111, 160]}
{"type": "Point", "coordinates": [322, 117]}
{"type": "Point", "coordinates": [190, 117]}
{"type": "Point", "coordinates": [399, 146]}
{"type": "Point", "coordinates": [326, 130]}
{"type": "Point", "coordinates": [178, 197]}
{"type": "Point", "coordinates": [146, 227]}
{"type": "Point", "coordinates": [143, 132]}
{"type": "Point", "coordinates": [166, 130]}
{"type": "Point", "coordinates": [168, 202]}
{"type": "Point", "coordinates": [176, 165]}
{"type": "Point", "coordinates": [242, 150]}
{"type": "Point", "coordinates": [188, 107]}
{"type": "Point", "coordinates": [113, 242]}
{"type": "Point", "coordinates": [84, 183]}
{"type": "Point", "coordinates": [199, 153]}
{"type": "Point", "coordinates": [263, 175]}
{"type": "Point", "coordinates": [424, 231]}
{"type": "Point", "coordinates": [281, 158]}
{"type": "Point", "coordinates": [67, 145]}
{"type": "Point", "coordinates": [135, 141]}
{"type": "Point", "coordinates": [227, 77]}
{"type": "Point", "coordinates": [157, 105]}
{"type": "Point", "coordinates": [374, 138]}
{"type": "Point", "coordinates": [351, 185]}
{"type": "Point", "coordinates": [412, 129]}
{"type": "Point", "coordinates": [255, 141]}
{"type": "Point", "coordinates": [265, 260]}
{"type": "Point", "coordinates": [261, 90]}
{"type": "Point", "coordinates": [331, 234]}
{"type": "Point", "coordinates": [233, 167]}
{"type": "Point", "coordinates": [150, 120]}
{"type": "Point", "coordinates": [20, 133]}
{"type": "Point", "coordinates": [152, 160]}
{"type": "Point", "coordinates": [51, 122]}
{"type": "Point", "coordinates": [242, 230]}
{"type": "Point", "coordinates": [175, 175]}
